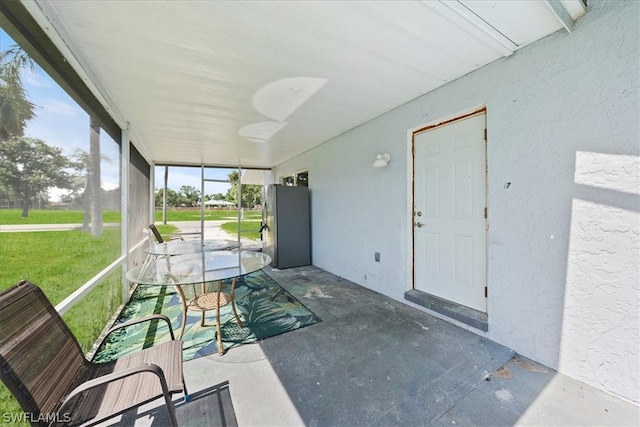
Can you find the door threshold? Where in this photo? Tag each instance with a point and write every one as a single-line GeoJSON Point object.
{"type": "Point", "coordinates": [461, 313]}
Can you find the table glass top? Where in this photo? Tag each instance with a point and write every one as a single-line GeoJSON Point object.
{"type": "Point", "coordinates": [198, 268]}
{"type": "Point", "coordinates": [182, 247]}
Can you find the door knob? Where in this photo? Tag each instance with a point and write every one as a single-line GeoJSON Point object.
{"type": "Point", "coordinates": [419, 224]}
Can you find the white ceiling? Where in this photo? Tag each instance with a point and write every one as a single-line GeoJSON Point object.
{"type": "Point", "coordinates": [252, 84]}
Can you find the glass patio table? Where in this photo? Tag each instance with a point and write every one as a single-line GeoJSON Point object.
{"type": "Point", "coordinates": [183, 247]}
{"type": "Point", "coordinates": [186, 272]}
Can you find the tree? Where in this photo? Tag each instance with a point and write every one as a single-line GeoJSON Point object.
{"type": "Point", "coordinates": [15, 108]}
{"type": "Point", "coordinates": [28, 167]}
{"type": "Point", "coordinates": [81, 184]}
{"type": "Point", "coordinates": [251, 194]}
{"type": "Point", "coordinates": [189, 195]}
{"type": "Point", "coordinates": [173, 198]}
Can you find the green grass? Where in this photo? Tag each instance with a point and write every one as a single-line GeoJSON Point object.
{"type": "Point", "coordinates": [88, 318]}
{"type": "Point", "coordinates": [60, 262]}
{"type": "Point", "coordinates": [250, 229]}
{"type": "Point", "coordinates": [213, 214]}
{"type": "Point", "coordinates": [166, 230]}
{"type": "Point", "coordinates": [43, 216]}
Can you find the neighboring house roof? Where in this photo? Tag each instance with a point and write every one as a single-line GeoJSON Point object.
{"type": "Point", "coordinates": [218, 203]}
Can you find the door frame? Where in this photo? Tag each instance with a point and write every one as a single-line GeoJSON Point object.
{"type": "Point", "coordinates": [480, 109]}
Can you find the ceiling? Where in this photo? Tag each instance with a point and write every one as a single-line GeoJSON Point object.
{"type": "Point", "coordinates": [253, 84]}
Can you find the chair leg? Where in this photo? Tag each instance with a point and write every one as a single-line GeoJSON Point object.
{"type": "Point", "coordinates": [185, 391]}
{"type": "Point", "coordinates": [171, 410]}
{"type": "Point", "coordinates": [203, 290]}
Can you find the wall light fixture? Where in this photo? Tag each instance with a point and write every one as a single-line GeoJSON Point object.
{"type": "Point", "coordinates": [382, 160]}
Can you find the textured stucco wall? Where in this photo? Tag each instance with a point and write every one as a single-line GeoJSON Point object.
{"type": "Point", "coordinates": [357, 210]}
{"type": "Point", "coordinates": [564, 237]}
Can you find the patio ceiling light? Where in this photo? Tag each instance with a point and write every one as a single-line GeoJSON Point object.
{"type": "Point", "coordinates": [262, 131]}
{"type": "Point", "coordinates": [281, 98]}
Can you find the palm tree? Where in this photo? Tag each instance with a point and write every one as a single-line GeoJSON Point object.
{"type": "Point", "coordinates": [15, 108]}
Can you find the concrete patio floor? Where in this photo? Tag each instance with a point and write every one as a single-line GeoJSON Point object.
{"type": "Point", "coordinates": [373, 361]}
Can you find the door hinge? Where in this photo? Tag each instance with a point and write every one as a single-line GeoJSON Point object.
{"type": "Point", "coordinates": [485, 134]}
{"type": "Point", "coordinates": [486, 292]}
{"type": "Point", "coordinates": [485, 213]}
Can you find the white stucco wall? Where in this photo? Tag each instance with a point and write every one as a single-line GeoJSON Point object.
{"type": "Point", "coordinates": [564, 237]}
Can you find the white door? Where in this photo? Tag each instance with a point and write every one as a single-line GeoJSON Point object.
{"type": "Point", "coordinates": [449, 212]}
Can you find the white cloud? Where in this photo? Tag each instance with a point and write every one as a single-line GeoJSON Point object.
{"type": "Point", "coordinates": [55, 193]}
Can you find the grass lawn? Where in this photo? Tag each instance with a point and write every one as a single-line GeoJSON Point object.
{"type": "Point", "coordinates": [59, 260]}
{"type": "Point", "coordinates": [249, 229]}
{"type": "Point", "coordinates": [212, 214]}
{"type": "Point", "coordinates": [42, 216]}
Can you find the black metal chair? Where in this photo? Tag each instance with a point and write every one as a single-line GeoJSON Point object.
{"type": "Point", "coordinates": [158, 236]}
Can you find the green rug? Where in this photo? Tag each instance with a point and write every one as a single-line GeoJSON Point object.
{"type": "Point", "coordinates": [264, 306]}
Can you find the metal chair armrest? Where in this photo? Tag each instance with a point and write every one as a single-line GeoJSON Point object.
{"type": "Point", "coordinates": [114, 376]}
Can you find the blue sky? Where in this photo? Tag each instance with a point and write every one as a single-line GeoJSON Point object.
{"type": "Point", "coordinates": [179, 176]}
{"type": "Point", "coordinates": [62, 123]}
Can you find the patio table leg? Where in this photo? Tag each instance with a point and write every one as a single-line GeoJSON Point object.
{"type": "Point", "coordinates": [203, 290]}
{"type": "Point", "coordinates": [233, 302]}
{"type": "Point", "coordinates": [218, 328]}
{"type": "Point", "coordinates": [183, 301]}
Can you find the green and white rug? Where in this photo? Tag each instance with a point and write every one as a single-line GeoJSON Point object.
{"type": "Point", "coordinates": [264, 306]}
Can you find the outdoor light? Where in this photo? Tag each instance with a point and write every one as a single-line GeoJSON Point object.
{"type": "Point", "coordinates": [382, 160]}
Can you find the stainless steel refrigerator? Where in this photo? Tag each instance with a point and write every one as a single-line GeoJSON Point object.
{"type": "Point", "coordinates": [286, 231]}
